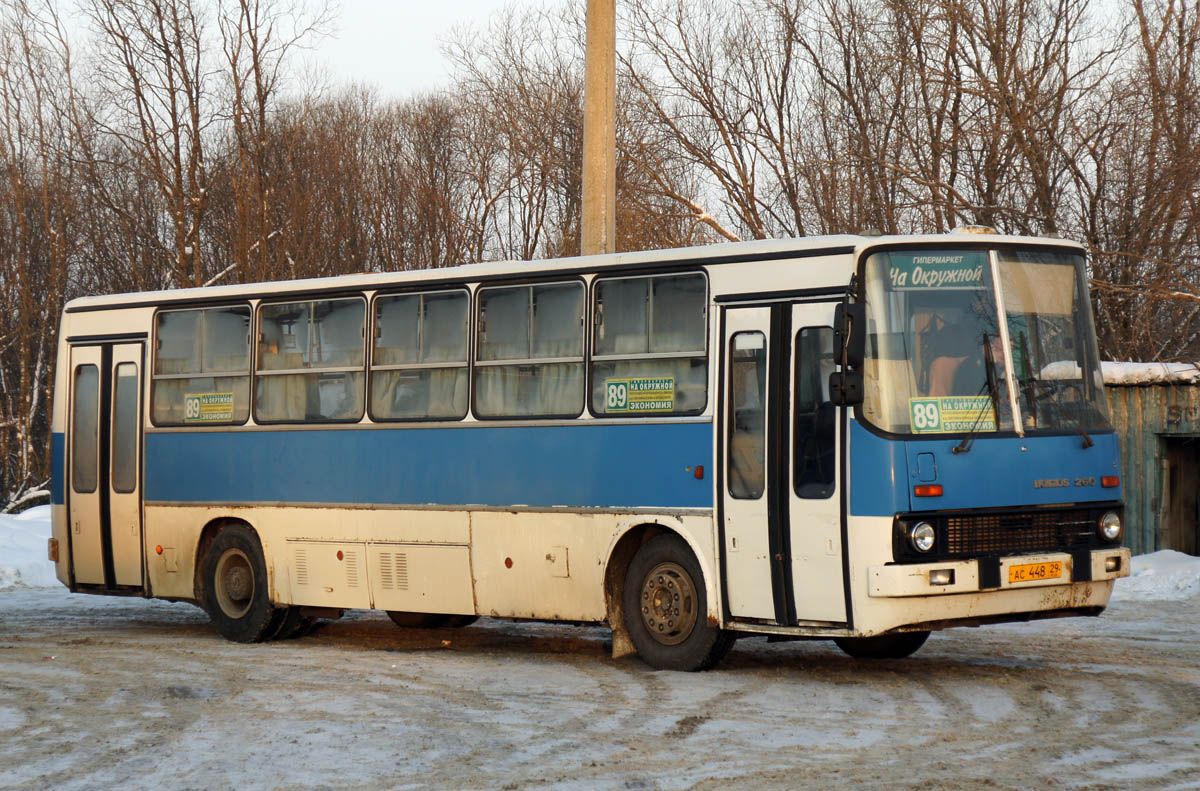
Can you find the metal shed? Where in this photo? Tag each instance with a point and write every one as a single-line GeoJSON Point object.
{"type": "Point", "coordinates": [1156, 412]}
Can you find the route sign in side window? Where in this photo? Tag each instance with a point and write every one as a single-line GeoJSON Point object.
{"type": "Point", "coordinates": [648, 353]}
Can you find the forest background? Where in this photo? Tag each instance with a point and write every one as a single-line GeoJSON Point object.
{"type": "Point", "coordinates": [175, 143]}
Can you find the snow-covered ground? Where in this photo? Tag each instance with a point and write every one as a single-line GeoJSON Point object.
{"type": "Point", "coordinates": [99, 692]}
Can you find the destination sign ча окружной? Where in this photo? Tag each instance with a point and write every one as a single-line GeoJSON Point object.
{"type": "Point", "coordinates": [941, 270]}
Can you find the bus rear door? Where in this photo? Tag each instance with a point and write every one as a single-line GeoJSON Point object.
{"type": "Point", "coordinates": [104, 465]}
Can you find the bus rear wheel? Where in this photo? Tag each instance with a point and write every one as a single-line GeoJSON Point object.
{"type": "Point", "coordinates": [235, 588]}
{"type": "Point", "coordinates": [885, 646]}
{"type": "Point", "coordinates": [666, 608]}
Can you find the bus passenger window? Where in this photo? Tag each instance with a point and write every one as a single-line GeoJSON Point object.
{"type": "Point", "coordinates": [310, 361]}
{"type": "Point", "coordinates": [419, 357]}
{"type": "Point", "coordinates": [815, 441]}
{"type": "Point", "coordinates": [648, 353]}
{"type": "Point", "coordinates": [201, 367]}
{"type": "Point", "coordinates": [529, 356]}
{"type": "Point", "coordinates": [747, 415]}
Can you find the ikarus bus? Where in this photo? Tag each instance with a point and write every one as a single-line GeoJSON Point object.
{"type": "Point", "coordinates": [855, 438]}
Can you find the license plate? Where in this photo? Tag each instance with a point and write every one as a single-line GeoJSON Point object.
{"type": "Point", "coordinates": [1030, 572]}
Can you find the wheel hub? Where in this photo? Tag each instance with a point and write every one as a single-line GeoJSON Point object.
{"type": "Point", "coordinates": [668, 603]}
{"type": "Point", "coordinates": [234, 580]}
{"type": "Point", "coordinates": [238, 584]}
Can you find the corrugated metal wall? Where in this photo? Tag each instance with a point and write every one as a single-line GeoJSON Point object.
{"type": "Point", "coordinates": [1143, 415]}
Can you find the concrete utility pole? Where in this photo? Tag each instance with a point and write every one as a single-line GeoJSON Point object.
{"type": "Point", "coordinates": [598, 232]}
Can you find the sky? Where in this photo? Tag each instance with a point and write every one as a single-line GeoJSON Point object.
{"type": "Point", "coordinates": [395, 45]}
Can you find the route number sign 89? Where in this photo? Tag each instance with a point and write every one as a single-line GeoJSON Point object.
{"type": "Point", "coordinates": [926, 415]}
{"type": "Point", "coordinates": [617, 395]}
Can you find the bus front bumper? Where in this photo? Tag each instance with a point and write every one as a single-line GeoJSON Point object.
{"type": "Point", "coordinates": [1013, 573]}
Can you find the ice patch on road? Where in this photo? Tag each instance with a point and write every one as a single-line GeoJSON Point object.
{"type": "Point", "coordinates": [1166, 575]}
{"type": "Point", "coordinates": [23, 561]}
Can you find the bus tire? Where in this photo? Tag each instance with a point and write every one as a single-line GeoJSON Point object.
{"type": "Point", "coordinates": [897, 645]}
{"type": "Point", "coordinates": [459, 621]}
{"type": "Point", "coordinates": [417, 620]}
{"type": "Point", "coordinates": [666, 608]}
{"type": "Point", "coordinates": [293, 624]}
{"type": "Point", "coordinates": [235, 588]}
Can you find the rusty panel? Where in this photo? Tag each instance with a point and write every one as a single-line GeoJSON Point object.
{"type": "Point", "coordinates": [1142, 416]}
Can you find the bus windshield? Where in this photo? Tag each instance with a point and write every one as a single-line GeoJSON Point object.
{"type": "Point", "coordinates": [939, 360]}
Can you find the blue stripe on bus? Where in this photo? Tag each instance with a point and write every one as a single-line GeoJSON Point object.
{"type": "Point", "coordinates": [58, 445]}
{"type": "Point", "coordinates": [997, 472]}
{"type": "Point", "coordinates": [592, 464]}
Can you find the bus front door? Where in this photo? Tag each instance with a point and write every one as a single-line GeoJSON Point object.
{"type": "Point", "coordinates": [779, 503]}
{"type": "Point", "coordinates": [814, 483]}
{"type": "Point", "coordinates": [104, 465]}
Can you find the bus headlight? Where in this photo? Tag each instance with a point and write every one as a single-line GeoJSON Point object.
{"type": "Point", "coordinates": [921, 536]}
{"type": "Point", "coordinates": [1109, 526]}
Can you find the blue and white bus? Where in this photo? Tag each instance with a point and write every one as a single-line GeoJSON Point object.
{"type": "Point", "coordinates": [854, 438]}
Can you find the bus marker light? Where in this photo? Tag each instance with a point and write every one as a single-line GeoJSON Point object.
{"type": "Point", "coordinates": [1110, 481]}
{"type": "Point", "coordinates": [1112, 564]}
{"type": "Point", "coordinates": [340, 556]}
{"type": "Point", "coordinates": [699, 472]}
{"type": "Point", "coordinates": [52, 550]}
{"type": "Point", "coordinates": [508, 563]}
{"type": "Point", "coordinates": [928, 490]}
{"type": "Point", "coordinates": [941, 577]}
{"type": "Point", "coordinates": [158, 550]}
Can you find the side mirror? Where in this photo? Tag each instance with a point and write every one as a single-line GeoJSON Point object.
{"type": "Point", "coordinates": [849, 349]}
{"type": "Point", "coordinates": [850, 334]}
{"type": "Point", "coordinates": [846, 388]}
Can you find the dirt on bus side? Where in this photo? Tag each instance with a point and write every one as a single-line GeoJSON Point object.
{"type": "Point", "coordinates": [127, 693]}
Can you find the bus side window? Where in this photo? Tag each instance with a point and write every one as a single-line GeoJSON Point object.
{"type": "Point", "coordinates": [310, 361]}
{"type": "Point", "coordinates": [201, 371]}
{"type": "Point", "coordinates": [815, 441]}
{"type": "Point", "coordinates": [419, 357]}
{"type": "Point", "coordinates": [648, 351]}
{"type": "Point", "coordinates": [747, 415]}
{"type": "Point", "coordinates": [529, 354]}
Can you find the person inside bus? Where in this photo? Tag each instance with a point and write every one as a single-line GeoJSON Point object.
{"type": "Point", "coordinates": [954, 351]}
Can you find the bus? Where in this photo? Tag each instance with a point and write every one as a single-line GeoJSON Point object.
{"type": "Point", "coordinates": [855, 438]}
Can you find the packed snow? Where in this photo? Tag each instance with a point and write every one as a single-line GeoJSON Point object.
{"type": "Point", "coordinates": [1126, 373]}
{"type": "Point", "coordinates": [23, 559]}
{"type": "Point", "coordinates": [1160, 576]}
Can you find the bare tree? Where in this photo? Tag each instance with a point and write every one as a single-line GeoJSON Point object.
{"type": "Point", "coordinates": [36, 238]}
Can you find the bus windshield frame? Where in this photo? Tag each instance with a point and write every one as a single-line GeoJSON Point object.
{"type": "Point", "coordinates": [940, 363]}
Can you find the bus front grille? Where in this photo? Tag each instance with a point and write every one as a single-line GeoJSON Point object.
{"type": "Point", "coordinates": [987, 534]}
{"type": "Point", "coordinates": [995, 533]}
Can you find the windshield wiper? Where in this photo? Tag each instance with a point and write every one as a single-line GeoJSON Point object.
{"type": "Point", "coordinates": [1053, 394]}
{"type": "Point", "coordinates": [990, 385]}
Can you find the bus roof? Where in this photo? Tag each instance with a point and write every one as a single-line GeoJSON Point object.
{"type": "Point", "coordinates": [706, 255]}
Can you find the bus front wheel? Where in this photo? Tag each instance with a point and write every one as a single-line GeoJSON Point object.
{"type": "Point", "coordinates": [235, 588]}
{"type": "Point", "coordinates": [666, 609]}
{"type": "Point", "coordinates": [885, 646]}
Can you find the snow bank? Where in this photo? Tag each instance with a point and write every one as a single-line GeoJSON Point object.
{"type": "Point", "coordinates": [1166, 575]}
{"type": "Point", "coordinates": [1149, 373]}
{"type": "Point", "coordinates": [23, 561]}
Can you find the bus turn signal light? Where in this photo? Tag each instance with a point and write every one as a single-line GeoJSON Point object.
{"type": "Point", "coordinates": [1110, 481]}
{"type": "Point", "coordinates": [699, 472]}
{"type": "Point", "coordinates": [928, 490]}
